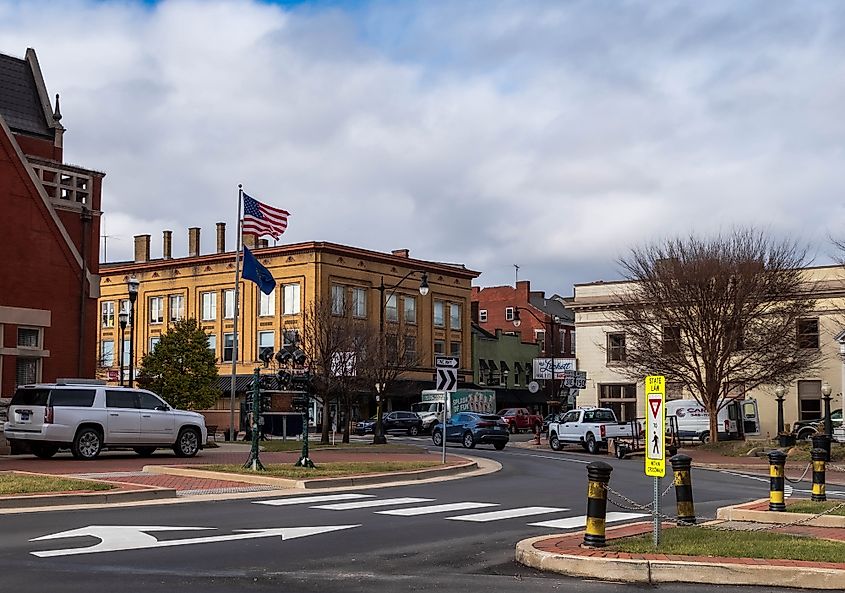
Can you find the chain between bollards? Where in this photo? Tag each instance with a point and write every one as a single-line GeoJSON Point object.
{"type": "Point", "coordinates": [598, 476]}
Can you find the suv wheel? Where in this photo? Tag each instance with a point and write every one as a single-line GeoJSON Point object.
{"type": "Point", "coordinates": [554, 442]}
{"type": "Point", "coordinates": [437, 437]}
{"type": "Point", "coordinates": [87, 444]}
{"type": "Point", "coordinates": [414, 431]}
{"type": "Point", "coordinates": [469, 440]}
{"type": "Point", "coordinates": [44, 451]}
{"type": "Point", "coordinates": [188, 443]}
{"type": "Point", "coordinates": [592, 445]}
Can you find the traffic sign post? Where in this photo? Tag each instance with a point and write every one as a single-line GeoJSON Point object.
{"type": "Point", "coordinates": [655, 441]}
{"type": "Point", "coordinates": [446, 380]}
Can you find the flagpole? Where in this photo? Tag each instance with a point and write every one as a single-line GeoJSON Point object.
{"type": "Point", "coordinates": [238, 247]}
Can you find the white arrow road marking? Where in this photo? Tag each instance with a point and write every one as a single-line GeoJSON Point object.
{"type": "Point", "coordinates": [506, 514]}
{"type": "Point", "coordinates": [115, 538]}
{"type": "Point", "coordinates": [306, 499]}
{"type": "Point", "coordinates": [366, 504]}
{"type": "Point", "coordinates": [787, 489]}
{"type": "Point", "coordinates": [437, 508]}
{"type": "Point", "coordinates": [572, 522]}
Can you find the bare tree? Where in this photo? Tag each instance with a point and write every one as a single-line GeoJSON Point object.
{"type": "Point", "coordinates": [712, 313]}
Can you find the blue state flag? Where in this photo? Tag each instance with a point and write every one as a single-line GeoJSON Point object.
{"type": "Point", "coordinates": [257, 273]}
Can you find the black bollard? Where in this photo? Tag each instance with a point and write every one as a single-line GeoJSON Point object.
{"type": "Point", "coordinates": [777, 459]}
{"type": "Point", "coordinates": [819, 457]}
{"type": "Point", "coordinates": [681, 465]}
{"type": "Point", "coordinates": [822, 441]}
{"type": "Point", "coordinates": [598, 474]}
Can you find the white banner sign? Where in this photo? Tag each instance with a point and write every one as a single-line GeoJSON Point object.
{"type": "Point", "coordinates": [543, 367]}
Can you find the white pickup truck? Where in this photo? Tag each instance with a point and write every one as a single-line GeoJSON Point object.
{"type": "Point", "coordinates": [590, 427]}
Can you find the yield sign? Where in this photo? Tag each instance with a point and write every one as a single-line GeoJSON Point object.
{"type": "Point", "coordinates": [655, 404]}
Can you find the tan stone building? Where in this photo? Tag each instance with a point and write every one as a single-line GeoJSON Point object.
{"type": "Point", "coordinates": [201, 286]}
{"type": "Point", "coordinates": [601, 353]}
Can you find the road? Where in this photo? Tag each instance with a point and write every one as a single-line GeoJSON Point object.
{"type": "Point", "coordinates": [391, 539]}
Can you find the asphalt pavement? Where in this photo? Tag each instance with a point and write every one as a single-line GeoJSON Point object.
{"type": "Point", "coordinates": [452, 535]}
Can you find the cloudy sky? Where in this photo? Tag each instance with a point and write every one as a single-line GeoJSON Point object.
{"type": "Point", "coordinates": [553, 135]}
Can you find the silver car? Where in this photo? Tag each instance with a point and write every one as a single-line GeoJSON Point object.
{"type": "Point", "coordinates": [89, 416]}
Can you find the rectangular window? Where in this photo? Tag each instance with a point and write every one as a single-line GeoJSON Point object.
{"type": "Point", "coordinates": [26, 370]}
{"type": "Point", "coordinates": [455, 349]}
{"type": "Point", "coordinates": [359, 302]}
{"type": "Point", "coordinates": [391, 311]}
{"type": "Point", "coordinates": [410, 309]}
{"type": "Point", "coordinates": [508, 313]}
{"type": "Point", "coordinates": [482, 316]}
{"type": "Point", "coordinates": [808, 333]}
{"type": "Point", "coordinates": [291, 297]}
{"type": "Point", "coordinates": [572, 341]}
{"type": "Point", "coordinates": [123, 306]}
{"type": "Point", "coordinates": [671, 340]}
{"type": "Point", "coordinates": [621, 398]}
{"type": "Point", "coordinates": [228, 347]}
{"type": "Point", "coordinates": [29, 337]}
{"type": "Point", "coordinates": [540, 338]}
{"type": "Point", "coordinates": [267, 303]}
{"type": "Point", "coordinates": [391, 346]}
{"type": "Point", "coordinates": [212, 345]}
{"type": "Point", "coordinates": [156, 309]}
{"type": "Point", "coordinates": [154, 342]}
{"type": "Point", "coordinates": [266, 340]}
{"type": "Point", "coordinates": [290, 337]}
{"type": "Point", "coordinates": [615, 347]}
{"type": "Point", "coordinates": [107, 353]}
{"type": "Point", "coordinates": [108, 313]}
{"type": "Point", "coordinates": [410, 352]}
{"type": "Point", "coordinates": [229, 304]}
{"type": "Point", "coordinates": [809, 400]}
{"type": "Point", "coordinates": [176, 310]}
{"type": "Point", "coordinates": [126, 352]}
{"type": "Point", "coordinates": [338, 299]}
{"type": "Point", "coordinates": [454, 317]}
{"type": "Point", "coordinates": [439, 347]}
{"type": "Point", "coordinates": [439, 319]}
{"type": "Point", "coordinates": [209, 306]}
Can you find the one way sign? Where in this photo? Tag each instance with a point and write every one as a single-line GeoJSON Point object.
{"type": "Point", "coordinates": [447, 373]}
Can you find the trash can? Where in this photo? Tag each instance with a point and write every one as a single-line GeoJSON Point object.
{"type": "Point", "coordinates": [822, 441]}
{"type": "Point", "coordinates": [786, 440]}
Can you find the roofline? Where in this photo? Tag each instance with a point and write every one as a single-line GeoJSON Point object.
{"type": "Point", "coordinates": [35, 67]}
{"type": "Point", "coordinates": [407, 262]}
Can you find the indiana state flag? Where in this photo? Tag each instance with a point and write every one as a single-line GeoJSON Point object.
{"type": "Point", "coordinates": [257, 273]}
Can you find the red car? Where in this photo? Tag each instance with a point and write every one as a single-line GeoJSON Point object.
{"type": "Point", "coordinates": [521, 419]}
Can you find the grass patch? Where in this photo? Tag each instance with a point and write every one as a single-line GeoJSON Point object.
{"type": "Point", "coordinates": [353, 447]}
{"type": "Point", "coordinates": [328, 470]}
{"type": "Point", "coordinates": [813, 508]}
{"type": "Point", "coordinates": [734, 448]}
{"type": "Point", "coordinates": [697, 541]}
{"type": "Point", "coordinates": [801, 452]}
{"type": "Point", "coordinates": [12, 484]}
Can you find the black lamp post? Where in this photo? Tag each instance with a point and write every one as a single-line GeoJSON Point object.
{"type": "Point", "coordinates": [554, 322]}
{"type": "Point", "coordinates": [780, 391]}
{"type": "Point", "coordinates": [132, 285]}
{"type": "Point", "coordinates": [378, 433]}
{"type": "Point", "coordinates": [123, 319]}
{"type": "Point", "coordinates": [828, 423]}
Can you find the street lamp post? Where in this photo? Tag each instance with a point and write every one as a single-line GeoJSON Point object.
{"type": "Point", "coordinates": [828, 423]}
{"type": "Point", "coordinates": [123, 319]}
{"type": "Point", "coordinates": [780, 391]}
{"type": "Point", "coordinates": [132, 286]}
{"type": "Point", "coordinates": [378, 432]}
{"type": "Point", "coordinates": [554, 322]}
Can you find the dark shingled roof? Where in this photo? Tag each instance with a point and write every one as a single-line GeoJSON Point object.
{"type": "Point", "coordinates": [20, 104]}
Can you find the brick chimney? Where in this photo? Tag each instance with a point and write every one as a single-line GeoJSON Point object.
{"type": "Point", "coordinates": [263, 243]}
{"type": "Point", "coordinates": [401, 253]}
{"type": "Point", "coordinates": [167, 244]}
{"type": "Point", "coordinates": [221, 237]}
{"type": "Point", "coordinates": [193, 241]}
{"type": "Point", "coordinates": [142, 248]}
{"type": "Point", "coordinates": [249, 240]}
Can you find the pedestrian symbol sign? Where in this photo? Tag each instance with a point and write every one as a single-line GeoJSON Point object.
{"type": "Point", "coordinates": [655, 426]}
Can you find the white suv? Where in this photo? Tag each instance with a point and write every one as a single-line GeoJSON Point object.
{"type": "Point", "coordinates": [88, 416]}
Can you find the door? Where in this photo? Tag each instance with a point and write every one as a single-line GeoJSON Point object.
{"type": "Point", "coordinates": [157, 421]}
{"type": "Point", "coordinates": [750, 419]}
{"type": "Point", "coordinates": [569, 427]}
{"type": "Point", "coordinates": [454, 428]}
{"type": "Point", "coordinates": [123, 418]}
{"type": "Point", "coordinates": [390, 422]}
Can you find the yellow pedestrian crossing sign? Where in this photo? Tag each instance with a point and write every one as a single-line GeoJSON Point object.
{"type": "Point", "coordinates": [655, 426]}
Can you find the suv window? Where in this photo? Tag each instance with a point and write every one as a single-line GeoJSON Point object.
{"type": "Point", "coordinates": [83, 398]}
{"type": "Point", "coordinates": [120, 399]}
{"type": "Point", "coordinates": [147, 401]}
{"type": "Point", "coordinates": [30, 397]}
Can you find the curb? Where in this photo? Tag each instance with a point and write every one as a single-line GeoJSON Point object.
{"type": "Point", "coordinates": [318, 483]}
{"type": "Point", "coordinates": [676, 571]}
{"type": "Point", "coordinates": [741, 512]}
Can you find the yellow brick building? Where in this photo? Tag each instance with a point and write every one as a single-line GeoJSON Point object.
{"type": "Point", "coordinates": [201, 286]}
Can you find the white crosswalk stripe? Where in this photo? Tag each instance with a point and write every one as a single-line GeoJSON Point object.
{"type": "Point", "coordinates": [364, 504]}
{"type": "Point", "coordinates": [437, 508]}
{"type": "Point", "coordinates": [312, 499]}
{"type": "Point", "coordinates": [573, 522]}
{"type": "Point", "coordinates": [507, 514]}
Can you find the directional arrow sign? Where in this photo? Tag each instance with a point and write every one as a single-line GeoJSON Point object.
{"type": "Point", "coordinates": [447, 380]}
{"type": "Point", "coordinates": [115, 538]}
{"type": "Point", "coordinates": [446, 362]}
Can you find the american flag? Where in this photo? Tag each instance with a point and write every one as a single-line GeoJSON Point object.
{"type": "Point", "coordinates": [261, 219]}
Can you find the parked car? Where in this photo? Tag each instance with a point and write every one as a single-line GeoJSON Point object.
{"type": "Point", "coordinates": [590, 428]}
{"type": "Point", "coordinates": [393, 422]}
{"type": "Point", "coordinates": [471, 429]}
{"type": "Point", "coordinates": [520, 419]}
{"type": "Point", "coordinates": [804, 429]}
{"type": "Point", "coordinates": [89, 416]}
{"type": "Point", "coordinates": [548, 420]}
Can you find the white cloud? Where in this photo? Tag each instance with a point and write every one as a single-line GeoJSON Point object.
{"type": "Point", "coordinates": [490, 133]}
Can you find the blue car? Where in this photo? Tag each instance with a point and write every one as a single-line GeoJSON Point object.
{"type": "Point", "coordinates": [471, 429]}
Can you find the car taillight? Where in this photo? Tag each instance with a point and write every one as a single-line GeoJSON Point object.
{"type": "Point", "coordinates": [485, 424]}
{"type": "Point", "coordinates": [48, 415]}
{"type": "Point", "coordinates": [602, 431]}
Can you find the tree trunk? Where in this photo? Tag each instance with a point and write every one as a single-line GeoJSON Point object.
{"type": "Point", "coordinates": [347, 412]}
{"type": "Point", "coordinates": [327, 421]}
{"type": "Point", "coordinates": [713, 413]}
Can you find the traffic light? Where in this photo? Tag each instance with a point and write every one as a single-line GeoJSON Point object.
{"type": "Point", "coordinates": [265, 403]}
{"type": "Point", "coordinates": [299, 402]}
{"type": "Point", "coordinates": [282, 379]}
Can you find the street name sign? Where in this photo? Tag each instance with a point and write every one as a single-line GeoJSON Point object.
{"type": "Point", "coordinates": [446, 373]}
{"type": "Point", "coordinates": [655, 426]}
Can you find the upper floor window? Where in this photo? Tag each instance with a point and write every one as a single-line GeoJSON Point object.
{"type": "Point", "coordinates": [29, 337]}
{"type": "Point", "coordinates": [410, 311]}
{"type": "Point", "coordinates": [108, 313]}
{"type": "Point", "coordinates": [508, 313]}
{"type": "Point", "coordinates": [209, 306]}
{"type": "Point", "coordinates": [267, 303]}
{"type": "Point", "coordinates": [455, 349]}
{"type": "Point", "coordinates": [808, 333]}
{"type": "Point", "coordinates": [410, 352]}
{"type": "Point", "coordinates": [156, 309]}
{"type": "Point", "coordinates": [266, 340]}
{"type": "Point", "coordinates": [228, 347]}
{"type": "Point", "coordinates": [482, 316]}
{"type": "Point", "coordinates": [439, 318]}
{"type": "Point", "coordinates": [615, 347]}
{"type": "Point", "coordinates": [291, 297]}
{"type": "Point", "coordinates": [229, 304]}
{"type": "Point", "coordinates": [391, 311]}
{"type": "Point", "coordinates": [671, 339]}
{"type": "Point", "coordinates": [455, 316]}
{"type": "Point", "coordinates": [290, 337]}
{"type": "Point", "coordinates": [154, 342]}
{"type": "Point", "coordinates": [212, 344]}
{"type": "Point", "coordinates": [540, 338]}
{"type": "Point", "coordinates": [359, 302]}
{"type": "Point", "coordinates": [338, 299]}
{"type": "Point", "coordinates": [176, 307]}
{"type": "Point", "coordinates": [439, 347]}
{"type": "Point", "coordinates": [107, 353]}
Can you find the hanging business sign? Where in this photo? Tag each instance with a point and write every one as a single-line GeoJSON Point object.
{"type": "Point", "coordinates": [543, 367]}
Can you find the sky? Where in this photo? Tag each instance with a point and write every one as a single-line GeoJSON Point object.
{"type": "Point", "coordinates": [554, 135]}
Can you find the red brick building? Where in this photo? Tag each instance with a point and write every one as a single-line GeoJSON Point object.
{"type": "Point", "coordinates": [49, 238]}
{"type": "Point", "coordinates": [494, 308]}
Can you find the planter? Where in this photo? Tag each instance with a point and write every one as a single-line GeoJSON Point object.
{"type": "Point", "coordinates": [786, 440]}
